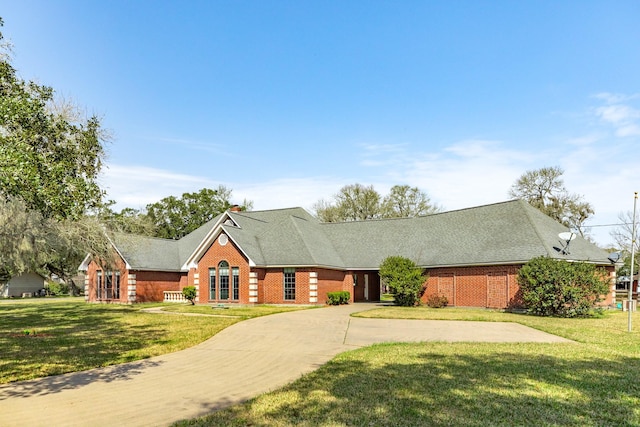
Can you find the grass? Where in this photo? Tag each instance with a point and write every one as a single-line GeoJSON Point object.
{"type": "Point", "coordinates": [592, 382]}
{"type": "Point", "coordinates": [47, 337]}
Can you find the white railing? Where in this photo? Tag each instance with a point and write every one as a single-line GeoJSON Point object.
{"type": "Point", "coordinates": [174, 296]}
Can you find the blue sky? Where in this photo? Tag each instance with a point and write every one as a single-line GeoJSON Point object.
{"type": "Point", "coordinates": [285, 102]}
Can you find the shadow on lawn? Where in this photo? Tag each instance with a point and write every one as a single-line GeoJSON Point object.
{"type": "Point", "coordinates": [440, 389]}
{"type": "Point", "coordinates": [58, 383]}
{"type": "Point", "coordinates": [66, 337]}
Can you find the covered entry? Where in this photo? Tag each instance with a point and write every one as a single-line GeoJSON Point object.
{"type": "Point", "coordinates": [366, 286]}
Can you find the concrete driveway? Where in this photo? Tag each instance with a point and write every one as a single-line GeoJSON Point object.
{"type": "Point", "coordinates": [242, 361]}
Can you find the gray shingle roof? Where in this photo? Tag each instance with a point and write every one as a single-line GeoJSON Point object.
{"type": "Point", "coordinates": [503, 233]}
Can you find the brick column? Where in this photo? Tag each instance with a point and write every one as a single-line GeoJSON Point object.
{"type": "Point", "coordinates": [313, 287]}
{"type": "Point", "coordinates": [196, 284]}
{"type": "Point", "coordinates": [131, 288]}
{"type": "Point", "coordinates": [86, 288]}
{"type": "Point", "coordinates": [253, 287]}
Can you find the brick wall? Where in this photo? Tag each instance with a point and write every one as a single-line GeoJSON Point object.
{"type": "Point", "coordinates": [483, 286]}
{"type": "Point", "coordinates": [333, 281]}
{"type": "Point", "coordinates": [91, 280]}
{"type": "Point", "coordinates": [150, 285]}
{"type": "Point", "coordinates": [211, 259]}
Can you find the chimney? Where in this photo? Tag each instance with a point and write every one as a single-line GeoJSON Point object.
{"type": "Point", "coordinates": [235, 208]}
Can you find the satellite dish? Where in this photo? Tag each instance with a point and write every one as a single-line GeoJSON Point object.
{"type": "Point", "coordinates": [614, 257]}
{"type": "Point", "coordinates": [567, 236]}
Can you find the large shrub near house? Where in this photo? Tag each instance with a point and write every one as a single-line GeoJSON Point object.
{"type": "Point", "coordinates": [553, 287]}
{"type": "Point", "coordinates": [406, 281]}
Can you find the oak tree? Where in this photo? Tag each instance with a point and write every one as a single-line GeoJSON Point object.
{"type": "Point", "coordinates": [544, 189]}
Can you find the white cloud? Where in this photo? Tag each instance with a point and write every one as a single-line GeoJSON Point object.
{"type": "Point", "coordinates": [136, 186]}
{"type": "Point", "coordinates": [599, 164]}
{"type": "Point", "coordinates": [284, 193]}
{"type": "Point", "coordinates": [622, 117]}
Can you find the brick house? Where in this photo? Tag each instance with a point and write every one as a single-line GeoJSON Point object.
{"type": "Point", "coordinates": [286, 256]}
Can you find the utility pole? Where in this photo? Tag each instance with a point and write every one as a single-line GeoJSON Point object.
{"type": "Point", "coordinates": [633, 252]}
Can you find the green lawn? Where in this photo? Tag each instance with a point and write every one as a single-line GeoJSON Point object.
{"type": "Point", "coordinates": [42, 337]}
{"type": "Point", "coordinates": [592, 382]}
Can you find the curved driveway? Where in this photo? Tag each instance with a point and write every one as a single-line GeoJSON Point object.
{"type": "Point", "coordinates": [240, 362]}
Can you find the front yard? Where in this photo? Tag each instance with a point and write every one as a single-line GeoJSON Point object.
{"type": "Point", "coordinates": [593, 382]}
{"type": "Point", "coordinates": [43, 337]}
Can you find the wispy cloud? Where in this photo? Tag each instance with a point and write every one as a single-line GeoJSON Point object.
{"type": "Point", "coordinates": [599, 164]}
{"type": "Point", "coordinates": [136, 186]}
{"type": "Point", "coordinates": [620, 114]}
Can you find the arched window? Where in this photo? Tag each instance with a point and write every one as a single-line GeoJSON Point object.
{"type": "Point", "coordinates": [224, 282]}
{"type": "Point", "coordinates": [223, 275]}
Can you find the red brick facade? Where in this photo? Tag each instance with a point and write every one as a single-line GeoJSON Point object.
{"type": "Point", "coordinates": [484, 286]}
{"type": "Point", "coordinates": [132, 286]}
{"type": "Point", "coordinates": [480, 286]}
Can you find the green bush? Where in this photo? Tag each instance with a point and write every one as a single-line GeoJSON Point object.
{"type": "Point", "coordinates": [406, 281]}
{"type": "Point", "coordinates": [56, 288]}
{"type": "Point", "coordinates": [437, 301]}
{"type": "Point", "coordinates": [189, 292]}
{"type": "Point", "coordinates": [560, 288]}
{"type": "Point", "coordinates": [337, 298]}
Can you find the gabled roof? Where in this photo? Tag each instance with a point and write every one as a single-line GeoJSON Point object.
{"type": "Point", "coordinates": [510, 232]}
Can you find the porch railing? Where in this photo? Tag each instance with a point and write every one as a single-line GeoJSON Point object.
{"type": "Point", "coordinates": [174, 296]}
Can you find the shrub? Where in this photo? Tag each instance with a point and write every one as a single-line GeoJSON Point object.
{"type": "Point", "coordinates": [189, 292]}
{"type": "Point", "coordinates": [56, 288]}
{"type": "Point", "coordinates": [405, 280]}
{"type": "Point", "coordinates": [553, 287]}
{"type": "Point", "coordinates": [337, 298]}
{"type": "Point", "coordinates": [437, 301]}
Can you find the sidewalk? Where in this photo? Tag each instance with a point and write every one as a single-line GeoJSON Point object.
{"type": "Point", "coordinates": [240, 362]}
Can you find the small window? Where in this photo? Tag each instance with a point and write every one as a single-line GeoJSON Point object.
{"type": "Point", "coordinates": [289, 283]}
{"type": "Point", "coordinates": [212, 283]}
{"type": "Point", "coordinates": [236, 282]}
{"type": "Point", "coordinates": [99, 284]}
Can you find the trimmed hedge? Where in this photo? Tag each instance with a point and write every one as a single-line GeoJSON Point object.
{"type": "Point", "coordinates": [338, 298]}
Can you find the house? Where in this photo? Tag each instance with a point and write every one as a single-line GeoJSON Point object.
{"type": "Point", "coordinates": [286, 256]}
{"type": "Point", "coordinates": [25, 284]}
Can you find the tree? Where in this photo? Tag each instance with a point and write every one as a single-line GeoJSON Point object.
{"type": "Point", "coordinates": [50, 159]}
{"type": "Point", "coordinates": [128, 220]}
{"type": "Point", "coordinates": [31, 242]}
{"type": "Point", "coordinates": [189, 293]}
{"type": "Point", "coordinates": [358, 203]}
{"type": "Point", "coordinates": [405, 280]}
{"type": "Point", "coordinates": [176, 217]}
{"type": "Point", "coordinates": [544, 189]}
{"type": "Point", "coordinates": [553, 287]}
{"type": "Point", "coordinates": [623, 236]}
{"type": "Point", "coordinates": [404, 202]}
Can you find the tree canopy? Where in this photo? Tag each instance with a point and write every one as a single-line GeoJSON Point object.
{"type": "Point", "coordinates": [47, 159]}
{"type": "Point", "coordinates": [357, 202]}
{"type": "Point", "coordinates": [50, 159]}
{"type": "Point", "coordinates": [171, 217]}
{"type": "Point", "coordinates": [544, 189]}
